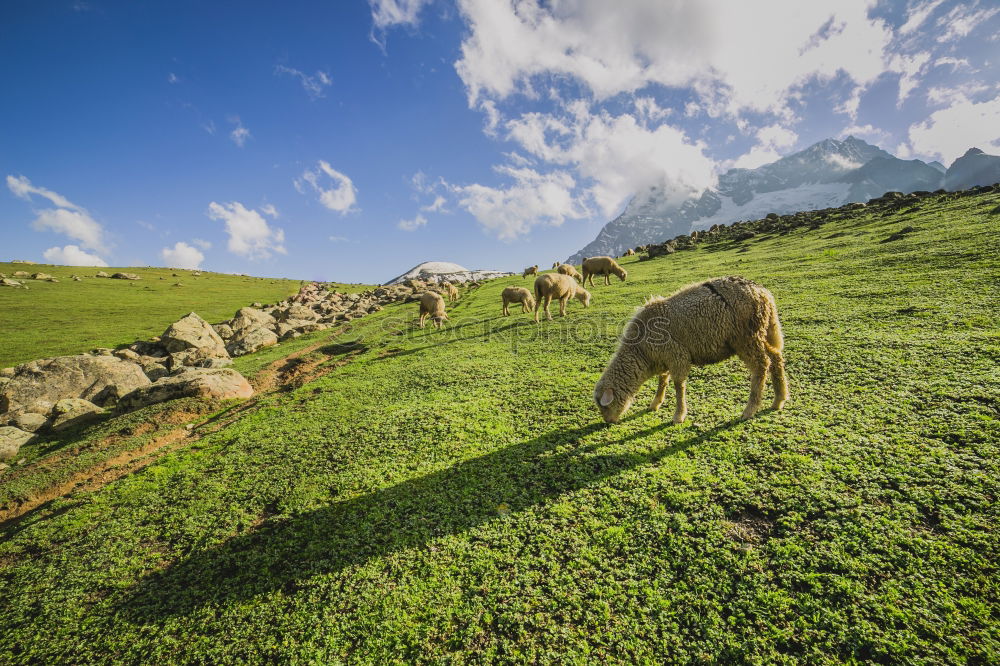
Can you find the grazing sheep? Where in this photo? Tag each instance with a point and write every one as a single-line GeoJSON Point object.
{"type": "Point", "coordinates": [517, 295]}
{"type": "Point", "coordinates": [562, 287]}
{"type": "Point", "coordinates": [530, 270]}
{"type": "Point", "coordinates": [602, 266]}
{"type": "Point", "coordinates": [432, 305]}
{"type": "Point", "coordinates": [452, 291]}
{"type": "Point", "coordinates": [571, 271]}
{"type": "Point", "coordinates": [701, 324]}
{"type": "Point", "coordinates": [629, 252]}
{"type": "Point", "coordinates": [555, 264]}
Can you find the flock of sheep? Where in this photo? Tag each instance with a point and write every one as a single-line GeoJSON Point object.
{"type": "Point", "coordinates": [700, 324]}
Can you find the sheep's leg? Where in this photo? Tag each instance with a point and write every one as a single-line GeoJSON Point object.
{"type": "Point", "coordinates": [680, 386]}
{"type": "Point", "coordinates": [506, 312]}
{"type": "Point", "coordinates": [548, 301]}
{"type": "Point", "coordinates": [757, 363]}
{"type": "Point", "coordinates": [562, 305]}
{"type": "Point", "coordinates": [778, 379]}
{"type": "Point", "coordinates": [661, 389]}
{"type": "Point", "coordinates": [422, 317]}
{"type": "Point", "coordinates": [607, 279]}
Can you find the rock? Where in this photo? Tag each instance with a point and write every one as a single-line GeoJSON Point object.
{"type": "Point", "coordinates": [286, 332]}
{"type": "Point", "coordinates": [215, 362]}
{"type": "Point", "coordinates": [29, 421]}
{"type": "Point", "coordinates": [155, 371]}
{"type": "Point", "coordinates": [256, 305]}
{"type": "Point", "coordinates": [220, 383]}
{"type": "Point", "coordinates": [101, 274]}
{"type": "Point", "coordinates": [102, 351]}
{"type": "Point", "coordinates": [41, 276]}
{"type": "Point", "coordinates": [11, 441]}
{"type": "Point", "coordinates": [77, 278]}
{"type": "Point", "coordinates": [193, 332]}
{"type": "Point", "coordinates": [7, 282]}
{"type": "Point", "coordinates": [22, 274]}
{"type": "Point", "coordinates": [126, 355]}
{"type": "Point", "coordinates": [250, 318]}
{"type": "Point", "coordinates": [250, 340]}
{"type": "Point", "coordinates": [225, 331]}
{"type": "Point", "coordinates": [196, 274]}
{"type": "Point", "coordinates": [99, 379]}
{"type": "Point", "coordinates": [297, 312]}
{"type": "Point", "coordinates": [125, 276]}
{"type": "Point", "coordinates": [72, 412]}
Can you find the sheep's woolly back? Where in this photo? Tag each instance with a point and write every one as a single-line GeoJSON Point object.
{"type": "Point", "coordinates": [432, 304]}
{"type": "Point", "coordinates": [516, 295]}
{"type": "Point", "coordinates": [602, 266]}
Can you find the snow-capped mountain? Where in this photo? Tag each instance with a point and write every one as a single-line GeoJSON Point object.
{"type": "Point", "coordinates": [827, 174]}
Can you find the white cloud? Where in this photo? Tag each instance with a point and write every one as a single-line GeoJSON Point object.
{"type": "Point", "coordinates": [705, 44]}
{"type": "Point", "coordinates": [340, 198]}
{"type": "Point", "coordinates": [72, 255]}
{"type": "Point", "coordinates": [68, 218]}
{"type": "Point", "coordinates": [270, 211]}
{"type": "Point", "coordinates": [533, 198]}
{"type": "Point", "coordinates": [870, 131]}
{"type": "Point", "coordinates": [615, 155]}
{"type": "Point", "coordinates": [249, 234]}
{"type": "Point", "coordinates": [948, 133]}
{"type": "Point", "coordinates": [145, 225]}
{"type": "Point", "coordinates": [338, 239]}
{"type": "Point", "coordinates": [203, 244]}
{"type": "Point", "coordinates": [313, 85]}
{"type": "Point", "coordinates": [956, 63]}
{"type": "Point", "coordinates": [414, 224]}
{"type": "Point", "coordinates": [173, 78]}
{"type": "Point", "coordinates": [389, 13]}
{"type": "Point", "coordinates": [910, 68]}
{"type": "Point", "coordinates": [182, 255]}
{"type": "Point", "coordinates": [437, 206]}
{"type": "Point", "coordinates": [773, 143]}
{"type": "Point", "coordinates": [963, 19]}
{"type": "Point", "coordinates": [942, 96]}
{"type": "Point", "coordinates": [918, 13]}
{"type": "Point", "coordinates": [240, 134]}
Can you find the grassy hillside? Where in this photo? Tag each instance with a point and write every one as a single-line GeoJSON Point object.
{"type": "Point", "coordinates": [70, 317]}
{"type": "Point", "coordinates": [428, 496]}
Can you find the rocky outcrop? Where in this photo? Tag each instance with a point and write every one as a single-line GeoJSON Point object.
{"type": "Point", "coordinates": [192, 333]}
{"type": "Point", "coordinates": [220, 383]}
{"type": "Point", "coordinates": [11, 441]}
{"type": "Point", "coordinates": [73, 412]}
{"type": "Point", "coordinates": [124, 276]}
{"type": "Point", "coordinates": [37, 386]}
{"type": "Point", "coordinates": [250, 340]}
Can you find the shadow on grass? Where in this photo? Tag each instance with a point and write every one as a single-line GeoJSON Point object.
{"type": "Point", "coordinates": [284, 554]}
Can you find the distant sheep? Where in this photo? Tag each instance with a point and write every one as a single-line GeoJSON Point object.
{"type": "Point", "coordinates": [571, 271]}
{"type": "Point", "coordinates": [452, 291]}
{"type": "Point", "coordinates": [432, 305]}
{"type": "Point", "coordinates": [629, 252]}
{"type": "Point", "coordinates": [602, 266]}
{"type": "Point", "coordinates": [517, 295]}
{"type": "Point", "coordinates": [530, 270]}
{"type": "Point", "coordinates": [700, 324]}
{"type": "Point", "coordinates": [555, 264]}
{"type": "Point", "coordinates": [561, 287]}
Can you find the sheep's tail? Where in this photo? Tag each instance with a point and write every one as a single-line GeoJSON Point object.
{"type": "Point", "coordinates": [775, 337]}
{"type": "Point", "coordinates": [538, 293]}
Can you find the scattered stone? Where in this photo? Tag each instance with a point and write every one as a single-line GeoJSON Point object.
{"type": "Point", "coordinates": [126, 355]}
{"type": "Point", "coordinates": [196, 274]}
{"type": "Point", "coordinates": [193, 332]}
{"type": "Point", "coordinates": [102, 274]}
{"type": "Point", "coordinates": [42, 276]}
{"type": "Point", "coordinates": [249, 318]}
{"type": "Point", "coordinates": [22, 274]}
{"type": "Point", "coordinates": [11, 441]}
{"type": "Point", "coordinates": [155, 371]}
{"type": "Point", "coordinates": [225, 331]}
{"type": "Point", "coordinates": [7, 282]}
{"type": "Point", "coordinates": [125, 276]}
{"type": "Point", "coordinates": [251, 340]}
{"type": "Point", "coordinates": [77, 278]}
{"type": "Point", "coordinates": [73, 412]}
{"type": "Point", "coordinates": [222, 383]}
{"type": "Point", "coordinates": [99, 379]}
{"type": "Point", "coordinates": [29, 421]}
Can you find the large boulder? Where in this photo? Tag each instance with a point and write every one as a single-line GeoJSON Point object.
{"type": "Point", "coordinates": [298, 312]}
{"type": "Point", "coordinates": [37, 385]}
{"type": "Point", "coordinates": [220, 383]}
{"type": "Point", "coordinates": [7, 282]}
{"type": "Point", "coordinates": [29, 421]}
{"type": "Point", "coordinates": [125, 276]}
{"type": "Point", "coordinates": [250, 318]}
{"type": "Point", "coordinates": [11, 441]}
{"type": "Point", "coordinates": [250, 340]}
{"type": "Point", "coordinates": [72, 412]}
{"type": "Point", "coordinates": [193, 333]}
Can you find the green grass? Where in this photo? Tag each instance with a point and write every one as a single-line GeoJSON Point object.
{"type": "Point", "coordinates": [50, 319]}
{"type": "Point", "coordinates": [452, 496]}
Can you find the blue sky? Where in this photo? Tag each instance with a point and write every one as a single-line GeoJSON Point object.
{"type": "Point", "coordinates": [352, 139]}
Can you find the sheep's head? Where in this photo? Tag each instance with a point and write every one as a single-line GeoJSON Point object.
{"type": "Point", "coordinates": [530, 302]}
{"type": "Point", "coordinates": [583, 296]}
{"type": "Point", "coordinates": [610, 401]}
{"type": "Point", "coordinates": [622, 273]}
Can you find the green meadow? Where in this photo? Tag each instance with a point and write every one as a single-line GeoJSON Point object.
{"type": "Point", "coordinates": [452, 496]}
{"type": "Point", "coordinates": [50, 319]}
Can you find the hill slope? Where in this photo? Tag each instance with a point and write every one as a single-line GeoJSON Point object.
{"type": "Point", "coordinates": [423, 495]}
{"type": "Point", "coordinates": [70, 317]}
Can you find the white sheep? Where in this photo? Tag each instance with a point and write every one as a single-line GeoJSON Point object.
{"type": "Point", "coordinates": [567, 269]}
{"type": "Point", "coordinates": [432, 305]}
{"type": "Point", "coordinates": [451, 290]}
{"type": "Point", "coordinates": [700, 324]}
{"type": "Point", "coordinates": [517, 295]}
{"type": "Point", "coordinates": [561, 287]}
{"type": "Point", "coordinates": [602, 266]}
{"type": "Point", "coordinates": [530, 270]}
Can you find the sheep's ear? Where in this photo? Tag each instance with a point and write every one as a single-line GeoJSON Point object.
{"type": "Point", "coordinates": [607, 397]}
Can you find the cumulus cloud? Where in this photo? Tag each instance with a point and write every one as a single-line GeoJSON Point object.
{"type": "Point", "coordinates": [436, 206]}
{"type": "Point", "coordinates": [963, 19]}
{"type": "Point", "coordinates": [203, 244]}
{"type": "Point", "coordinates": [240, 134]}
{"type": "Point", "coordinates": [773, 141]}
{"type": "Point", "coordinates": [704, 44]}
{"type": "Point", "coordinates": [72, 255]}
{"type": "Point", "coordinates": [917, 14]}
{"type": "Point", "coordinates": [250, 235]}
{"type": "Point", "coordinates": [313, 85]}
{"type": "Point", "coordinates": [869, 131]}
{"type": "Point", "coordinates": [389, 13]}
{"type": "Point", "coordinates": [182, 255]}
{"type": "Point", "coordinates": [339, 198]}
{"type": "Point", "coordinates": [414, 224]}
{"type": "Point", "coordinates": [615, 155]}
{"type": "Point", "coordinates": [68, 218]}
{"type": "Point", "coordinates": [531, 199]}
{"type": "Point", "coordinates": [948, 133]}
